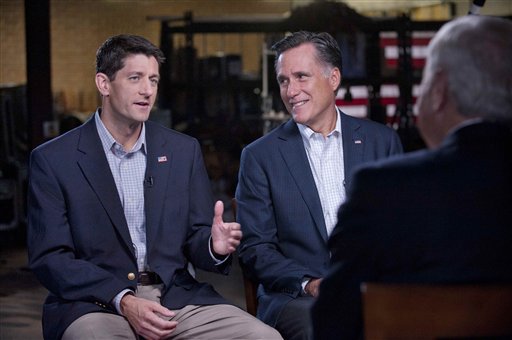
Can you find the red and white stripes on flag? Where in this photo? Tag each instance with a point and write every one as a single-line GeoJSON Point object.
{"type": "Point", "coordinates": [389, 93]}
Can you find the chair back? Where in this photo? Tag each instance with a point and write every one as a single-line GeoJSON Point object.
{"type": "Point", "coordinates": [250, 287]}
{"type": "Point", "coordinates": [393, 311]}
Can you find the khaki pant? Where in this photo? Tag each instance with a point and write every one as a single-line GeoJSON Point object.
{"type": "Point", "coordinates": [194, 322]}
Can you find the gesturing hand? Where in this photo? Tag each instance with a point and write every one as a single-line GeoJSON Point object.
{"type": "Point", "coordinates": [148, 318]}
{"type": "Point", "coordinates": [225, 235]}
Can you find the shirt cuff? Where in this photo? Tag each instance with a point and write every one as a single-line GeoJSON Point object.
{"type": "Point", "coordinates": [117, 299]}
{"type": "Point", "coordinates": [217, 261]}
{"type": "Point", "coordinates": [305, 281]}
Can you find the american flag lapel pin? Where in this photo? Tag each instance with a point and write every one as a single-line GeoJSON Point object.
{"type": "Point", "coordinates": [162, 159]}
{"type": "Point", "coordinates": [358, 141]}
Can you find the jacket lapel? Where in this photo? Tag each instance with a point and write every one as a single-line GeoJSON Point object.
{"type": "Point", "coordinates": [97, 171]}
{"type": "Point", "coordinates": [159, 163]}
{"type": "Point", "coordinates": [353, 145]}
{"type": "Point", "coordinates": [292, 150]}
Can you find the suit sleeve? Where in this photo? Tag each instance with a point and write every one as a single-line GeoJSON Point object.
{"type": "Point", "coordinates": [51, 246]}
{"type": "Point", "coordinates": [201, 216]}
{"type": "Point", "coordinates": [260, 251]}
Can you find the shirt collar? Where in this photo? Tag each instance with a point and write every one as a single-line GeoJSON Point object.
{"type": "Point", "coordinates": [307, 133]}
{"type": "Point", "coordinates": [108, 141]}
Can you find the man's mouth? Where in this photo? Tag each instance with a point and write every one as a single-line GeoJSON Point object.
{"type": "Point", "coordinates": [298, 104]}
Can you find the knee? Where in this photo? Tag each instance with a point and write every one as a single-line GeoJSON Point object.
{"type": "Point", "coordinates": [264, 332]}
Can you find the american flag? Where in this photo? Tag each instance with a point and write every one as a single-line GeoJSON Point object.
{"type": "Point", "coordinates": [389, 93]}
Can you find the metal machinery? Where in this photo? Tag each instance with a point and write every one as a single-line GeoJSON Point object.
{"type": "Point", "coordinates": [13, 156]}
{"type": "Point", "coordinates": [184, 86]}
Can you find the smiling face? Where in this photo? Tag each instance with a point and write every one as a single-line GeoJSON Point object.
{"type": "Point", "coordinates": [130, 95]}
{"type": "Point", "coordinates": [307, 87]}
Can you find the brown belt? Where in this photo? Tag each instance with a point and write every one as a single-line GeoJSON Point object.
{"type": "Point", "coordinates": [149, 278]}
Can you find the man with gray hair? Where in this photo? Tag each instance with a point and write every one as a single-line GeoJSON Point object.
{"type": "Point", "coordinates": [292, 181]}
{"type": "Point", "coordinates": [440, 215]}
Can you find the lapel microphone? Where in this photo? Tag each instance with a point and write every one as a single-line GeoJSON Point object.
{"type": "Point", "coordinates": [149, 181]}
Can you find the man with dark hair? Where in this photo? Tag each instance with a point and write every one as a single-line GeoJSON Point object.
{"type": "Point", "coordinates": [441, 215]}
{"type": "Point", "coordinates": [119, 208]}
{"type": "Point", "coordinates": [292, 181]}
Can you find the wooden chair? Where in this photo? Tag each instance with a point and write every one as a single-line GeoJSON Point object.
{"type": "Point", "coordinates": [434, 311]}
{"type": "Point", "coordinates": [251, 297]}
{"type": "Point", "coordinates": [250, 287]}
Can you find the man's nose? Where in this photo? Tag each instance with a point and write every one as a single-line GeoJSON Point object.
{"type": "Point", "coordinates": [293, 89]}
{"type": "Point", "coordinates": [147, 87]}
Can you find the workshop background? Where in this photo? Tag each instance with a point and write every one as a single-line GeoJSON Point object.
{"type": "Point", "coordinates": [218, 85]}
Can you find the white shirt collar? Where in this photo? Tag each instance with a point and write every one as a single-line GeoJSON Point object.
{"type": "Point", "coordinates": [108, 141]}
{"type": "Point", "coordinates": [307, 132]}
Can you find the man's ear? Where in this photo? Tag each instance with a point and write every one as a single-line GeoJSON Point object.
{"type": "Point", "coordinates": [335, 78]}
{"type": "Point", "coordinates": [439, 96]}
{"type": "Point", "coordinates": [103, 84]}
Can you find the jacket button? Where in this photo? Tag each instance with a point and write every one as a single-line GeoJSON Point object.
{"type": "Point", "coordinates": [131, 276]}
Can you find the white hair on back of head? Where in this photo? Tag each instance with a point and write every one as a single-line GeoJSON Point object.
{"type": "Point", "coordinates": [476, 54]}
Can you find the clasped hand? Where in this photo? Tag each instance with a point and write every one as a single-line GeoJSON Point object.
{"type": "Point", "coordinates": [148, 318]}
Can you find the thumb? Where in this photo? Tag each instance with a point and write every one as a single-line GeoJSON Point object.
{"type": "Point", "coordinates": [218, 212]}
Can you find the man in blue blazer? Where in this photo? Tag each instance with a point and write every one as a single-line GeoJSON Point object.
{"type": "Point", "coordinates": [292, 181]}
{"type": "Point", "coordinates": [119, 208]}
{"type": "Point", "coordinates": [441, 215]}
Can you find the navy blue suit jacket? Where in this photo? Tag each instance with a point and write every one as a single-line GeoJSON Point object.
{"type": "Point", "coordinates": [440, 216]}
{"type": "Point", "coordinates": [78, 239]}
{"type": "Point", "coordinates": [285, 237]}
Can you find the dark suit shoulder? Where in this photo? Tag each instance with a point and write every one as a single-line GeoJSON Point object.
{"type": "Point", "coordinates": [61, 143]}
{"type": "Point", "coordinates": [284, 131]}
{"type": "Point", "coordinates": [366, 124]}
{"type": "Point", "coordinates": [153, 128]}
{"type": "Point", "coordinates": [415, 159]}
